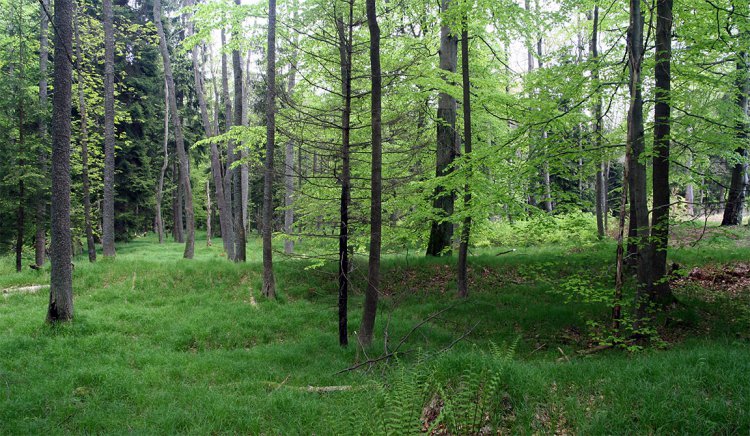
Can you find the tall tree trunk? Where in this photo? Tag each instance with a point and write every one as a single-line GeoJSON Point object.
{"type": "Point", "coordinates": [545, 164]}
{"type": "Point", "coordinates": [662, 130]}
{"type": "Point", "coordinates": [244, 168]}
{"type": "Point", "coordinates": [40, 239]}
{"type": "Point", "coordinates": [61, 275]}
{"type": "Point", "coordinates": [600, 184]}
{"type": "Point", "coordinates": [228, 171]}
{"type": "Point", "coordinates": [269, 283]}
{"type": "Point", "coordinates": [639, 206]}
{"type": "Point", "coordinates": [345, 62]}
{"type": "Point", "coordinates": [90, 246]}
{"type": "Point", "coordinates": [108, 214]}
{"type": "Point", "coordinates": [463, 249]}
{"type": "Point", "coordinates": [225, 214]}
{"type": "Point", "coordinates": [376, 184]}
{"type": "Point", "coordinates": [164, 165]}
{"type": "Point", "coordinates": [289, 164]}
{"type": "Point", "coordinates": [21, 210]}
{"type": "Point", "coordinates": [441, 231]}
{"type": "Point", "coordinates": [179, 139]}
{"type": "Point", "coordinates": [738, 186]}
{"type": "Point", "coordinates": [239, 214]}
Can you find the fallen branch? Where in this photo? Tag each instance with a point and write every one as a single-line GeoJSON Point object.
{"type": "Point", "coordinates": [24, 289]}
{"type": "Point", "coordinates": [371, 361]}
{"type": "Point", "coordinates": [460, 338]}
{"type": "Point", "coordinates": [314, 389]}
{"type": "Point", "coordinates": [505, 252]}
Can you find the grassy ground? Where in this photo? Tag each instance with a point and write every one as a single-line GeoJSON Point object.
{"type": "Point", "coordinates": [164, 345]}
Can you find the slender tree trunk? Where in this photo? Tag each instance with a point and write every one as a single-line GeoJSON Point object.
{"type": "Point", "coordinates": [738, 186]}
{"type": "Point", "coordinates": [619, 263]}
{"type": "Point", "coordinates": [545, 164]}
{"type": "Point", "coordinates": [244, 169]}
{"type": "Point", "coordinates": [689, 192]}
{"type": "Point", "coordinates": [441, 231]}
{"type": "Point", "coordinates": [345, 58]}
{"type": "Point", "coordinates": [463, 249]}
{"type": "Point", "coordinates": [269, 283]}
{"type": "Point", "coordinates": [228, 171]}
{"type": "Point", "coordinates": [40, 240]}
{"type": "Point", "coordinates": [662, 130]}
{"type": "Point", "coordinates": [90, 246]}
{"type": "Point", "coordinates": [108, 214]}
{"type": "Point", "coordinates": [61, 277]}
{"type": "Point", "coordinates": [208, 213]}
{"type": "Point", "coordinates": [225, 215]}
{"type": "Point", "coordinates": [164, 165]}
{"type": "Point", "coordinates": [600, 184]}
{"type": "Point", "coordinates": [373, 272]}
{"type": "Point", "coordinates": [237, 194]}
{"type": "Point", "coordinates": [289, 167]}
{"type": "Point", "coordinates": [639, 208]}
{"type": "Point", "coordinates": [179, 139]}
{"type": "Point", "coordinates": [21, 162]}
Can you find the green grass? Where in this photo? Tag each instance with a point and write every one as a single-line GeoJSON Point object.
{"type": "Point", "coordinates": [164, 345]}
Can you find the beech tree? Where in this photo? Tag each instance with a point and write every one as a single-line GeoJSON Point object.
{"type": "Point", "coordinates": [269, 283]}
{"type": "Point", "coordinates": [108, 210]}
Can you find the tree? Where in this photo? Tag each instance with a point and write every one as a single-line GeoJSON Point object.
{"type": "Point", "coordinates": [441, 232]}
{"type": "Point", "coordinates": [184, 169]}
{"type": "Point", "coordinates": [239, 214]}
{"type": "Point", "coordinates": [40, 244]}
{"type": "Point", "coordinates": [61, 275]}
{"type": "Point", "coordinates": [463, 248]}
{"type": "Point", "coordinates": [108, 208]}
{"type": "Point", "coordinates": [376, 185]}
{"type": "Point", "coordinates": [269, 283]}
{"type": "Point", "coordinates": [345, 60]}
{"type": "Point", "coordinates": [738, 185]}
{"type": "Point", "coordinates": [662, 132]}
{"type": "Point", "coordinates": [159, 222]}
{"type": "Point", "coordinates": [84, 138]}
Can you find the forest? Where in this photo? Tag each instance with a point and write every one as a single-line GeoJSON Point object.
{"type": "Point", "coordinates": [453, 217]}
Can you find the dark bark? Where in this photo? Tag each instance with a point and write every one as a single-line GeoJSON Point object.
{"type": "Point", "coordinates": [179, 139]}
{"type": "Point", "coordinates": [738, 186]}
{"type": "Point", "coordinates": [463, 248]}
{"type": "Point", "coordinates": [108, 214]}
{"type": "Point", "coordinates": [40, 239]}
{"type": "Point", "coordinates": [61, 276]}
{"type": "Point", "coordinates": [225, 215]}
{"type": "Point", "coordinates": [441, 231]}
{"type": "Point", "coordinates": [164, 165]}
{"type": "Point", "coordinates": [639, 205]}
{"type": "Point", "coordinates": [269, 283]}
{"type": "Point", "coordinates": [345, 60]}
{"type": "Point", "coordinates": [600, 183]}
{"type": "Point", "coordinates": [373, 271]}
{"type": "Point", "coordinates": [239, 224]}
{"type": "Point", "coordinates": [662, 130]}
{"type": "Point", "coordinates": [90, 246]}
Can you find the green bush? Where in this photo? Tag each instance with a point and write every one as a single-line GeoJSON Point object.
{"type": "Point", "coordinates": [576, 228]}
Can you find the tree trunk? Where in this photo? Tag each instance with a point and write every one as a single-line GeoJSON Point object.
{"type": "Point", "coordinates": [61, 276]}
{"type": "Point", "coordinates": [164, 165]}
{"type": "Point", "coordinates": [228, 171]}
{"type": "Point", "coordinates": [662, 131]}
{"type": "Point", "coordinates": [463, 248]}
{"type": "Point", "coordinates": [639, 206]}
{"type": "Point", "coordinates": [545, 164]}
{"type": "Point", "coordinates": [600, 183]}
{"type": "Point", "coordinates": [40, 239]}
{"type": "Point", "coordinates": [225, 215]}
{"type": "Point", "coordinates": [208, 213]}
{"type": "Point", "coordinates": [345, 58]}
{"type": "Point", "coordinates": [90, 246]}
{"type": "Point", "coordinates": [269, 283]}
{"type": "Point", "coordinates": [289, 165]}
{"type": "Point", "coordinates": [373, 272]}
{"type": "Point", "coordinates": [239, 214]}
{"type": "Point", "coordinates": [179, 139]}
{"type": "Point", "coordinates": [738, 186]}
{"type": "Point", "coordinates": [244, 169]}
{"type": "Point", "coordinates": [441, 231]}
{"type": "Point", "coordinates": [108, 214]}
{"type": "Point", "coordinates": [689, 192]}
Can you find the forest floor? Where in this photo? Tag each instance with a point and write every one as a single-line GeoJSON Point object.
{"type": "Point", "coordinates": [164, 345]}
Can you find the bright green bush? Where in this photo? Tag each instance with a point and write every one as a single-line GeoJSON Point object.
{"type": "Point", "coordinates": [542, 229]}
